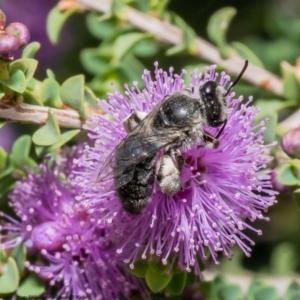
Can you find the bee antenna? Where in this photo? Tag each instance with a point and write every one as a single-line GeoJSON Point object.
{"type": "Point", "coordinates": [238, 78]}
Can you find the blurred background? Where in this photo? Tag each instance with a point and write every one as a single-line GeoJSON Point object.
{"type": "Point", "coordinates": [271, 29]}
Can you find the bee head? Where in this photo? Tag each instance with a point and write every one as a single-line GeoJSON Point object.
{"type": "Point", "coordinates": [213, 97]}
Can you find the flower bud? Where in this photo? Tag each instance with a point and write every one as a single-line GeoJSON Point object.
{"type": "Point", "coordinates": [8, 46]}
{"type": "Point", "coordinates": [2, 20]}
{"type": "Point", "coordinates": [279, 187]}
{"type": "Point", "coordinates": [291, 143]}
{"type": "Point", "coordinates": [48, 236]}
{"type": "Point", "coordinates": [20, 32]}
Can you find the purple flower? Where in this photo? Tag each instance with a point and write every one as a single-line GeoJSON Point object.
{"type": "Point", "coordinates": [78, 257]}
{"type": "Point", "coordinates": [220, 187]}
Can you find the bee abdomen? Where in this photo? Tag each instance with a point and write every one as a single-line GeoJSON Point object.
{"type": "Point", "coordinates": [135, 195]}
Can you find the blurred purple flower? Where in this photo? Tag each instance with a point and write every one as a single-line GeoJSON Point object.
{"type": "Point", "coordinates": [221, 187]}
{"type": "Point", "coordinates": [79, 258]}
{"type": "Point", "coordinates": [7, 136]}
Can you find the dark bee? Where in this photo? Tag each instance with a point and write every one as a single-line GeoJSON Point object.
{"type": "Point", "coordinates": [177, 121]}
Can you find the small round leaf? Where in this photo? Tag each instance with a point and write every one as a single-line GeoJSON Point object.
{"type": "Point", "coordinates": [157, 282]}
{"type": "Point", "coordinates": [31, 286]}
{"type": "Point", "coordinates": [9, 280]}
{"type": "Point", "coordinates": [49, 134]}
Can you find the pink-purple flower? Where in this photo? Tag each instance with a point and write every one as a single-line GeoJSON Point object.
{"type": "Point", "coordinates": [71, 253]}
{"type": "Point", "coordinates": [222, 188]}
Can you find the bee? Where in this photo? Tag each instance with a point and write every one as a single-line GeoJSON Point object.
{"type": "Point", "coordinates": [176, 122]}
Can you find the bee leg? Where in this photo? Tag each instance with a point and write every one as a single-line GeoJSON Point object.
{"type": "Point", "coordinates": [133, 120]}
{"type": "Point", "coordinates": [169, 172]}
{"type": "Point", "coordinates": [210, 141]}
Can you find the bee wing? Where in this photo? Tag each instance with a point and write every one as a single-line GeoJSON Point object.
{"type": "Point", "coordinates": [141, 143]}
{"type": "Point", "coordinates": [137, 147]}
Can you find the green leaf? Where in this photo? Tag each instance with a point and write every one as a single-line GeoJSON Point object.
{"type": "Point", "coordinates": [93, 62]}
{"type": "Point", "coordinates": [9, 281]}
{"type": "Point", "coordinates": [32, 97]}
{"type": "Point", "coordinates": [295, 165]}
{"type": "Point", "coordinates": [265, 293]}
{"type": "Point", "coordinates": [140, 268]}
{"type": "Point", "coordinates": [293, 296]}
{"type": "Point", "coordinates": [217, 28]}
{"type": "Point", "coordinates": [26, 65]}
{"type": "Point", "coordinates": [284, 259]}
{"type": "Point", "coordinates": [157, 282]}
{"type": "Point", "coordinates": [191, 278]}
{"type": "Point", "coordinates": [217, 283]}
{"type": "Point", "coordinates": [55, 22]}
{"type": "Point", "coordinates": [286, 175]}
{"type": "Point", "coordinates": [125, 43]}
{"type": "Point", "coordinates": [188, 43]}
{"type": "Point", "coordinates": [72, 94]}
{"type": "Point", "coordinates": [31, 285]}
{"type": "Point", "coordinates": [100, 30]}
{"type": "Point", "coordinates": [230, 292]}
{"type": "Point", "coordinates": [255, 285]}
{"type": "Point", "coordinates": [7, 170]}
{"type": "Point", "coordinates": [4, 73]}
{"type": "Point", "coordinates": [291, 88]}
{"type": "Point", "coordinates": [296, 197]}
{"type": "Point", "coordinates": [3, 259]}
{"type": "Point", "coordinates": [158, 267]}
{"type": "Point", "coordinates": [177, 284]}
{"type": "Point", "coordinates": [117, 9]}
{"type": "Point", "coordinates": [247, 53]}
{"type": "Point", "coordinates": [50, 92]}
{"type": "Point", "coordinates": [90, 98]}
{"type": "Point", "coordinates": [2, 123]}
{"type": "Point", "coordinates": [270, 132]}
{"type": "Point", "coordinates": [65, 137]}
{"type": "Point", "coordinates": [31, 49]}
{"type": "Point", "coordinates": [50, 74]}
{"type": "Point", "coordinates": [49, 134]}
{"type": "Point", "coordinates": [20, 151]}
{"type": "Point", "coordinates": [293, 292]}
{"type": "Point", "coordinates": [16, 81]}
{"type": "Point", "coordinates": [3, 158]}
{"type": "Point", "coordinates": [19, 255]}
{"type": "Point", "coordinates": [145, 48]}
{"type": "Point", "coordinates": [268, 106]}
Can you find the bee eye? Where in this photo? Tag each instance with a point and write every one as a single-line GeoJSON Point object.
{"type": "Point", "coordinates": [208, 88]}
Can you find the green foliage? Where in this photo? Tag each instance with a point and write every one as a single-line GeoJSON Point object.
{"type": "Point", "coordinates": [55, 22]}
{"type": "Point", "coordinates": [64, 138]}
{"type": "Point", "coordinates": [289, 173]}
{"type": "Point", "coordinates": [50, 92]}
{"type": "Point", "coordinates": [20, 155]}
{"type": "Point", "coordinates": [293, 292]}
{"type": "Point", "coordinates": [217, 29]}
{"type": "Point", "coordinates": [9, 280]}
{"type": "Point", "coordinates": [296, 197]}
{"type": "Point", "coordinates": [247, 53]}
{"type": "Point", "coordinates": [157, 281]}
{"type": "Point", "coordinates": [291, 88]}
{"type": "Point", "coordinates": [48, 134]}
{"type": "Point", "coordinates": [125, 43]}
{"type": "Point", "coordinates": [188, 43]}
{"type": "Point", "coordinates": [284, 259]}
{"type": "Point", "coordinates": [19, 255]}
{"type": "Point", "coordinates": [72, 94]}
{"type": "Point", "coordinates": [30, 50]}
{"type": "Point", "coordinates": [177, 283]}
{"type": "Point", "coordinates": [31, 285]}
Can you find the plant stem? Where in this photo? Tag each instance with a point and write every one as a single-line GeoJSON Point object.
{"type": "Point", "coordinates": [33, 114]}
{"type": "Point", "coordinates": [167, 32]}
